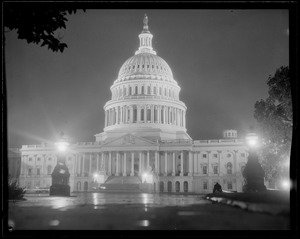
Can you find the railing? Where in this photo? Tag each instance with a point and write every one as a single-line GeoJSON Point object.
{"type": "Point", "coordinates": [219, 141]}
{"type": "Point", "coordinates": [176, 141]}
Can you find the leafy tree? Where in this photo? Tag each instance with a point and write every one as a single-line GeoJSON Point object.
{"type": "Point", "coordinates": [36, 24]}
{"type": "Point", "coordinates": [275, 118]}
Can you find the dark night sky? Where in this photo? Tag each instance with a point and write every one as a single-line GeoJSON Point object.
{"type": "Point", "coordinates": [221, 59]}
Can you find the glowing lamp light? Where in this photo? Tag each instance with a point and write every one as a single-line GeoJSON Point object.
{"type": "Point", "coordinates": [62, 146]}
{"type": "Point", "coordinates": [252, 140]}
{"type": "Point", "coordinates": [286, 184]}
{"type": "Point", "coordinates": [96, 175]}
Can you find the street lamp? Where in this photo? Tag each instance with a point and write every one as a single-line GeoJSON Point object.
{"type": "Point", "coordinates": [60, 175]}
{"type": "Point", "coordinates": [253, 172]}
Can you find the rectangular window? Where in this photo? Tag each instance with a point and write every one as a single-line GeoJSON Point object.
{"type": "Point", "coordinates": [204, 169]}
{"type": "Point", "coordinates": [38, 159]}
{"type": "Point", "coordinates": [215, 169]}
{"type": "Point", "coordinates": [30, 159]}
{"type": "Point", "coordinates": [29, 171]}
{"type": "Point", "coordinates": [38, 171]}
{"type": "Point", "coordinates": [204, 156]}
{"type": "Point", "coordinates": [215, 155]}
{"type": "Point", "coordinates": [229, 185]}
{"type": "Point", "coordinates": [204, 185]}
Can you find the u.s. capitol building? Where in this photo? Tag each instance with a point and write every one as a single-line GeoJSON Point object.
{"type": "Point", "coordinates": [144, 144]}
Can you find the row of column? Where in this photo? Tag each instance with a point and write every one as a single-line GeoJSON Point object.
{"type": "Point", "coordinates": [143, 90]}
{"type": "Point", "coordinates": [145, 114]}
{"type": "Point", "coordinates": [107, 161]}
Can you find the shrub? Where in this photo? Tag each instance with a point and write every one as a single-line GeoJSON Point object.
{"type": "Point", "coordinates": [14, 191]}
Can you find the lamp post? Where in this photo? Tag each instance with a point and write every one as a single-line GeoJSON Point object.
{"type": "Point", "coordinates": [253, 172]}
{"type": "Point", "coordinates": [60, 175]}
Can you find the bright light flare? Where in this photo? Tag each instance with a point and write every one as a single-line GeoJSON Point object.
{"type": "Point", "coordinates": [252, 140]}
{"type": "Point", "coordinates": [286, 184]}
{"type": "Point", "coordinates": [62, 146]}
{"type": "Point", "coordinates": [96, 175]}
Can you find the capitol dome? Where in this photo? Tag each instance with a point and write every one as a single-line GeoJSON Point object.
{"type": "Point", "coordinates": [143, 64]}
{"type": "Point", "coordinates": [145, 98]}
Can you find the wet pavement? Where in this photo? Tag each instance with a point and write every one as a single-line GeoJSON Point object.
{"type": "Point", "coordinates": [134, 211]}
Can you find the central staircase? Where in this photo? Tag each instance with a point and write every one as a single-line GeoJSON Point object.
{"type": "Point", "coordinates": [122, 183]}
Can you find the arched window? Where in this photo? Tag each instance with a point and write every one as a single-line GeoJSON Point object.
{"type": "Point", "coordinates": [49, 169]}
{"type": "Point", "coordinates": [155, 114]}
{"type": "Point", "coordinates": [159, 90]}
{"type": "Point", "coordinates": [229, 168]}
{"type": "Point", "coordinates": [124, 91]}
{"type": "Point", "coordinates": [169, 92]}
{"type": "Point", "coordinates": [185, 186]}
{"type": "Point", "coordinates": [142, 114]}
{"type": "Point", "coordinates": [177, 187]}
{"type": "Point", "coordinates": [129, 90]}
{"type": "Point", "coordinates": [120, 92]}
{"type": "Point", "coordinates": [154, 90]}
{"type": "Point", "coordinates": [136, 90]}
{"type": "Point", "coordinates": [161, 186]}
{"type": "Point", "coordinates": [165, 92]}
{"type": "Point", "coordinates": [148, 90]}
{"type": "Point", "coordinates": [162, 116]}
{"type": "Point", "coordinates": [169, 186]}
{"type": "Point", "coordinates": [142, 90]}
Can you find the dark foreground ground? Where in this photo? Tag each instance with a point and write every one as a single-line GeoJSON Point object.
{"type": "Point", "coordinates": [138, 211]}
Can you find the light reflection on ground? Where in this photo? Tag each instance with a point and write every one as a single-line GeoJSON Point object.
{"type": "Point", "coordinates": [99, 200]}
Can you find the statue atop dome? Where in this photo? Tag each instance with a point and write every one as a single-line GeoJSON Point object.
{"type": "Point", "coordinates": [145, 21]}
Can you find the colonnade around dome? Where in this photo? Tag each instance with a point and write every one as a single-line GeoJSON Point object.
{"type": "Point", "coordinates": [145, 113]}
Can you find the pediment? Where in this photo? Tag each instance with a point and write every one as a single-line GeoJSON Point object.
{"type": "Point", "coordinates": [130, 140]}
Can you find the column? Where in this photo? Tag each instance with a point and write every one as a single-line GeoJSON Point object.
{"type": "Point", "coordinates": [78, 163]}
{"type": "Point", "coordinates": [173, 171]}
{"type": "Point", "coordinates": [190, 164]}
{"type": "Point", "coordinates": [105, 124]}
{"type": "Point", "coordinates": [117, 114]}
{"type": "Point", "coordinates": [124, 171]}
{"type": "Point", "coordinates": [118, 164]}
{"type": "Point", "coordinates": [152, 113]}
{"type": "Point", "coordinates": [132, 164]}
{"type": "Point", "coordinates": [83, 164]}
{"type": "Point", "coordinates": [219, 162]}
{"type": "Point", "coordinates": [145, 114]}
{"type": "Point", "coordinates": [43, 165]}
{"type": "Point", "coordinates": [138, 108]}
{"type": "Point", "coordinates": [131, 114]}
{"type": "Point", "coordinates": [208, 163]}
{"type": "Point", "coordinates": [109, 163]}
{"type": "Point", "coordinates": [148, 159]}
{"type": "Point", "coordinates": [140, 162]}
{"type": "Point", "coordinates": [234, 162]}
{"type": "Point", "coordinates": [184, 119]}
{"type": "Point", "coordinates": [156, 162]}
{"type": "Point", "coordinates": [181, 163]}
{"type": "Point", "coordinates": [166, 163]}
{"type": "Point", "coordinates": [90, 169]}
{"type": "Point", "coordinates": [97, 167]}
{"type": "Point", "coordinates": [164, 114]}
{"type": "Point", "coordinates": [158, 113]}
{"type": "Point", "coordinates": [103, 164]}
